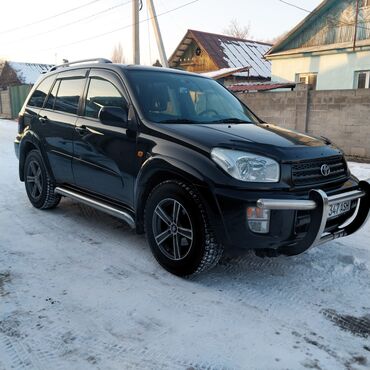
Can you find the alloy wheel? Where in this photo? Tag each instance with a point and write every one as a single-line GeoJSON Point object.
{"type": "Point", "coordinates": [34, 180]}
{"type": "Point", "coordinates": [172, 229]}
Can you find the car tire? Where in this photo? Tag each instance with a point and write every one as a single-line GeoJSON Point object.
{"type": "Point", "coordinates": [39, 185]}
{"type": "Point", "coordinates": [178, 230]}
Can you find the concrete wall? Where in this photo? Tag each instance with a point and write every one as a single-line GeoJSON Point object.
{"type": "Point", "coordinates": [5, 105]}
{"type": "Point", "coordinates": [342, 116]}
{"type": "Point", "coordinates": [334, 71]}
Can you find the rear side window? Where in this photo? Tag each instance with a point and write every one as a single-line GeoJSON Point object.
{"type": "Point", "coordinates": [68, 96]}
{"type": "Point", "coordinates": [102, 93]}
{"type": "Point", "coordinates": [51, 99]}
{"type": "Point", "coordinates": [38, 97]}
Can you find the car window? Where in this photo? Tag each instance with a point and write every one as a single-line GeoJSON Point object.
{"type": "Point", "coordinates": [184, 98]}
{"type": "Point", "coordinates": [51, 99]}
{"type": "Point", "coordinates": [102, 93]}
{"type": "Point", "coordinates": [68, 96]}
{"type": "Point", "coordinates": [38, 97]}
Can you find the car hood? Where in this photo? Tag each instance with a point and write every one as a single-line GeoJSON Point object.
{"type": "Point", "coordinates": [265, 139]}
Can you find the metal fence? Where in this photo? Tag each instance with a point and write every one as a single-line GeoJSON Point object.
{"type": "Point", "coordinates": [18, 95]}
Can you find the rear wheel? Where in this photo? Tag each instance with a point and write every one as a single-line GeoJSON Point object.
{"type": "Point", "coordinates": [178, 230]}
{"type": "Point", "coordinates": [39, 185]}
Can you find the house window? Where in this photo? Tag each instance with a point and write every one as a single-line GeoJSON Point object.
{"type": "Point", "coordinates": [362, 80]}
{"type": "Point", "coordinates": [364, 3]}
{"type": "Point", "coordinates": [307, 79]}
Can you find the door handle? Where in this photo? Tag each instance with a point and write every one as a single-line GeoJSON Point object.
{"type": "Point", "coordinates": [82, 130]}
{"type": "Point", "coordinates": [43, 119]}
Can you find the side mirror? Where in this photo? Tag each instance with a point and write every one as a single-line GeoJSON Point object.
{"type": "Point", "coordinates": [114, 116]}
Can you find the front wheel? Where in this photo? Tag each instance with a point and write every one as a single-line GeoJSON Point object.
{"type": "Point", "coordinates": [178, 230]}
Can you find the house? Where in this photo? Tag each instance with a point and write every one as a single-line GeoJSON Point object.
{"type": "Point", "coordinates": [204, 52]}
{"type": "Point", "coordinates": [14, 73]}
{"type": "Point", "coordinates": [329, 49]}
{"type": "Point", "coordinates": [16, 80]}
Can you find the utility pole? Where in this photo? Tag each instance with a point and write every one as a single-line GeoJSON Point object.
{"type": "Point", "coordinates": [157, 32]}
{"type": "Point", "coordinates": [135, 31]}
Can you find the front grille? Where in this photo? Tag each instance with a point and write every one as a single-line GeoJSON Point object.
{"type": "Point", "coordinates": [309, 172]}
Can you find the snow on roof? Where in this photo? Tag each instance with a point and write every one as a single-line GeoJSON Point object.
{"type": "Point", "coordinates": [28, 73]}
{"type": "Point", "coordinates": [238, 53]}
{"type": "Point", "coordinates": [261, 86]}
{"type": "Point", "coordinates": [224, 72]}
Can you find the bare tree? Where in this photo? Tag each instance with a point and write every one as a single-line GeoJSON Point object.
{"type": "Point", "coordinates": [117, 54]}
{"type": "Point", "coordinates": [236, 30]}
{"type": "Point", "coordinates": [276, 39]}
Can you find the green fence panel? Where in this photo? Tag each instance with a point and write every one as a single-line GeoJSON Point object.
{"type": "Point", "coordinates": [18, 95]}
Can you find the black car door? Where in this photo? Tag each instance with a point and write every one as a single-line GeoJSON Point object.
{"type": "Point", "coordinates": [58, 118]}
{"type": "Point", "coordinates": [104, 155]}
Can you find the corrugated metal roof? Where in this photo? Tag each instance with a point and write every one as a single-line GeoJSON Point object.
{"type": "Point", "coordinates": [263, 86]}
{"type": "Point", "coordinates": [229, 52]}
{"type": "Point", "coordinates": [28, 73]}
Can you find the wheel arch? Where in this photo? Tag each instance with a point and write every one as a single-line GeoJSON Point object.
{"type": "Point", "coordinates": [158, 170]}
{"type": "Point", "coordinates": [31, 141]}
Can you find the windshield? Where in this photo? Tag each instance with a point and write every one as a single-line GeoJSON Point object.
{"type": "Point", "coordinates": [179, 98]}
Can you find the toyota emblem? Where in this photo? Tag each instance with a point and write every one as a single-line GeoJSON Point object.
{"type": "Point", "coordinates": [325, 170]}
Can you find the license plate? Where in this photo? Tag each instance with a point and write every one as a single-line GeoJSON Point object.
{"type": "Point", "coordinates": [338, 209]}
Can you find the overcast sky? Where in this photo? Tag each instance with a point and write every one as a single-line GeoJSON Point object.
{"type": "Point", "coordinates": [63, 36]}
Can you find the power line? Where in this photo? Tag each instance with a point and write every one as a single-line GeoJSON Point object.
{"type": "Point", "coordinates": [121, 28]}
{"type": "Point", "coordinates": [50, 17]}
{"type": "Point", "coordinates": [92, 16]}
{"type": "Point", "coordinates": [294, 6]}
{"type": "Point", "coordinates": [327, 17]}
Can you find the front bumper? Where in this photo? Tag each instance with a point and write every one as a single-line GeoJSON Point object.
{"type": "Point", "coordinates": [298, 219]}
{"type": "Point", "coordinates": [318, 204]}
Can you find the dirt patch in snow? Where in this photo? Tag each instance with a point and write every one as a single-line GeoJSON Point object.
{"type": "Point", "coordinates": [359, 326]}
{"type": "Point", "coordinates": [10, 326]}
{"type": "Point", "coordinates": [4, 278]}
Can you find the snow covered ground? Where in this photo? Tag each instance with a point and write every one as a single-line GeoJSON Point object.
{"type": "Point", "coordinates": [79, 290]}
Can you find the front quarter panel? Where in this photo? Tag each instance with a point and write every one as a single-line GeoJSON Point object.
{"type": "Point", "coordinates": [169, 160]}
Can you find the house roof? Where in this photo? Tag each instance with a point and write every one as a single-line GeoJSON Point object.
{"type": "Point", "coordinates": [261, 86]}
{"type": "Point", "coordinates": [28, 73]}
{"type": "Point", "coordinates": [228, 52]}
{"type": "Point", "coordinates": [306, 22]}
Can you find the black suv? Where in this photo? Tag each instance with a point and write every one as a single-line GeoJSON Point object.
{"type": "Point", "coordinates": [176, 155]}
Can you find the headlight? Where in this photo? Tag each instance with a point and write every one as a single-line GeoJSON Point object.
{"type": "Point", "coordinates": [246, 166]}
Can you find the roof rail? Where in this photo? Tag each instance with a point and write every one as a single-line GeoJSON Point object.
{"type": "Point", "coordinates": [98, 60]}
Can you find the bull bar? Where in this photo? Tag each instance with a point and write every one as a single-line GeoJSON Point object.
{"type": "Point", "coordinates": [319, 204]}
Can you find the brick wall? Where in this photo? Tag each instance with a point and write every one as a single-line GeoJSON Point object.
{"type": "Point", "coordinates": [341, 115]}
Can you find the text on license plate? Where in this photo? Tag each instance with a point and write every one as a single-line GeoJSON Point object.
{"type": "Point", "coordinates": [337, 209]}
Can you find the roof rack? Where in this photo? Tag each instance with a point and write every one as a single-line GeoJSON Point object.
{"type": "Point", "coordinates": [98, 60]}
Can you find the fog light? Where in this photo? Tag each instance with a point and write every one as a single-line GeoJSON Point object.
{"type": "Point", "coordinates": [258, 220]}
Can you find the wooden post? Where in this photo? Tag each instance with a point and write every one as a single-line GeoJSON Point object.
{"type": "Point", "coordinates": [356, 24]}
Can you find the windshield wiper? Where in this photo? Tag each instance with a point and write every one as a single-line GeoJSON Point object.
{"type": "Point", "coordinates": [230, 120]}
{"type": "Point", "coordinates": [179, 120]}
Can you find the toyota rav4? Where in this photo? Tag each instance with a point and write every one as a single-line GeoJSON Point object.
{"type": "Point", "coordinates": [180, 158]}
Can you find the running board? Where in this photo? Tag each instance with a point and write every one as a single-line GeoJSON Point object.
{"type": "Point", "coordinates": [99, 205]}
